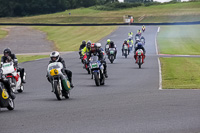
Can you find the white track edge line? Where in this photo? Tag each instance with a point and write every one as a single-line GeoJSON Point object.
{"type": "Point", "coordinates": [159, 64]}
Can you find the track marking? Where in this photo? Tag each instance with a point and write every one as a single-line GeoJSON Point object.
{"type": "Point", "coordinates": [159, 65]}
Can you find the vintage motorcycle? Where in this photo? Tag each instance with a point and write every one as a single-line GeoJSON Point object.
{"type": "Point", "coordinates": [139, 57]}
{"type": "Point", "coordinates": [111, 55]}
{"type": "Point", "coordinates": [13, 76]}
{"type": "Point", "coordinates": [60, 83]}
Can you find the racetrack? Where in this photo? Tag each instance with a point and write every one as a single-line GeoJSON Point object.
{"type": "Point", "coordinates": [130, 101]}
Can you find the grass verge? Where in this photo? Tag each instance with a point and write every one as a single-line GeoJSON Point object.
{"type": "Point", "coordinates": [70, 38]}
{"type": "Point", "coordinates": [180, 73]}
{"type": "Point", "coordinates": [178, 12]}
{"type": "Point", "coordinates": [3, 33]}
{"type": "Point", "coordinates": [24, 58]}
{"type": "Point", "coordinates": [182, 40]}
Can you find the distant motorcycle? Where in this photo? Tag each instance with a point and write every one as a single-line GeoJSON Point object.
{"type": "Point", "coordinates": [125, 50]}
{"type": "Point", "coordinates": [5, 100]}
{"type": "Point", "coordinates": [143, 29]}
{"type": "Point", "coordinates": [13, 76]}
{"type": "Point", "coordinates": [139, 57]}
{"type": "Point", "coordinates": [60, 83]}
{"type": "Point", "coordinates": [81, 56]}
{"type": "Point", "coordinates": [97, 70]}
{"type": "Point", "coordinates": [111, 55]}
{"type": "Point", "coordinates": [86, 63]}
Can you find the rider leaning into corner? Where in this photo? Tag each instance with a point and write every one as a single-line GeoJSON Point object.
{"type": "Point", "coordinates": [82, 46]}
{"type": "Point", "coordinates": [55, 57]}
{"type": "Point", "coordinates": [139, 46]}
{"type": "Point", "coordinates": [97, 51]}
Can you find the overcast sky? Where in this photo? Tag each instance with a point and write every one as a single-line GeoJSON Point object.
{"type": "Point", "coordinates": [160, 0]}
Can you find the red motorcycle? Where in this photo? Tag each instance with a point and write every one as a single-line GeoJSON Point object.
{"type": "Point", "coordinates": [86, 63]}
{"type": "Point", "coordinates": [139, 57]}
{"type": "Point", "coordinates": [143, 29]}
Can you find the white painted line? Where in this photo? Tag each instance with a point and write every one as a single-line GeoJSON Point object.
{"type": "Point", "coordinates": [158, 29]}
{"type": "Point", "coordinates": [159, 65]}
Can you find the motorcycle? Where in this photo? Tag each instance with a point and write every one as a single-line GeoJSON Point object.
{"type": "Point", "coordinates": [131, 46]}
{"type": "Point", "coordinates": [81, 56]}
{"type": "Point", "coordinates": [139, 57]}
{"type": "Point", "coordinates": [111, 55]}
{"type": "Point", "coordinates": [142, 41]}
{"type": "Point", "coordinates": [85, 62]}
{"type": "Point", "coordinates": [125, 51]}
{"type": "Point", "coordinates": [143, 29]}
{"type": "Point", "coordinates": [5, 100]}
{"type": "Point", "coordinates": [97, 70]}
{"type": "Point", "coordinates": [107, 48]}
{"type": "Point", "coordinates": [60, 83]}
{"type": "Point", "coordinates": [13, 76]}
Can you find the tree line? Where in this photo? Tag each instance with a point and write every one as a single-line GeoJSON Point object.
{"type": "Point", "coordinates": [11, 8]}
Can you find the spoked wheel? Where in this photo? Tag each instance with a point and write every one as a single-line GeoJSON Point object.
{"type": "Point", "coordinates": [58, 91]}
{"type": "Point", "coordinates": [11, 104]}
{"type": "Point", "coordinates": [96, 78]}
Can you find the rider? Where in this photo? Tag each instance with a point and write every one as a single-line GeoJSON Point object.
{"type": "Point", "coordinates": [143, 40]}
{"type": "Point", "coordinates": [139, 32]}
{"type": "Point", "coordinates": [55, 57]}
{"type": "Point", "coordinates": [82, 46]}
{"type": "Point", "coordinates": [7, 54]}
{"type": "Point", "coordinates": [130, 41]}
{"type": "Point", "coordinates": [143, 27]}
{"type": "Point", "coordinates": [125, 43]}
{"type": "Point", "coordinates": [107, 44]}
{"type": "Point", "coordinates": [139, 46]}
{"type": "Point", "coordinates": [112, 45]}
{"type": "Point", "coordinates": [97, 51]}
{"type": "Point", "coordinates": [86, 48]}
{"type": "Point", "coordinates": [130, 34]}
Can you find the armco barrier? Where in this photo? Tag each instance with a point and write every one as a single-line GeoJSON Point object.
{"type": "Point", "coordinates": [105, 24]}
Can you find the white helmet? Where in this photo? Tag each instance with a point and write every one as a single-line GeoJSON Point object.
{"type": "Point", "coordinates": [55, 56]}
{"type": "Point", "coordinates": [98, 45]}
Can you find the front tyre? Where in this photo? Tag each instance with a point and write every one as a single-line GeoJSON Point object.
{"type": "Point", "coordinates": [11, 104]}
{"type": "Point", "coordinates": [58, 91]}
{"type": "Point", "coordinates": [96, 78]}
{"type": "Point", "coordinates": [139, 62]}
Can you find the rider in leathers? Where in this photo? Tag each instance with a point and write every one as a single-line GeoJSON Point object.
{"type": "Point", "coordinates": [81, 47]}
{"type": "Point", "coordinates": [99, 53]}
{"type": "Point", "coordinates": [55, 57]}
{"type": "Point", "coordinates": [7, 53]}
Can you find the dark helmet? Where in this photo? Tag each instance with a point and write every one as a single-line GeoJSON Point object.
{"type": "Point", "coordinates": [111, 42]}
{"type": "Point", "coordinates": [125, 41]}
{"type": "Point", "coordinates": [7, 51]}
{"type": "Point", "coordinates": [89, 44]}
{"type": "Point", "coordinates": [83, 42]}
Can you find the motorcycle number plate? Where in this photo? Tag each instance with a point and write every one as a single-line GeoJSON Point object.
{"type": "Point", "coordinates": [94, 65]}
{"type": "Point", "coordinates": [139, 53]}
{"type": "Point", "coordinates": [111, 52]}
{"type": "Point", "coordinates": [6, 65]}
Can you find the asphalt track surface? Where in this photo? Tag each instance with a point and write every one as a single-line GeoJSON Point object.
{"type": "Point", "coordinates": [129, 102]}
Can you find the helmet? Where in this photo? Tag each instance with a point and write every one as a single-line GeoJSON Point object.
{"type": "Point", "coordinates": [99, 45]}
{"type": "Point", "coordinates": [83, 42]}
{"type": "Point", "coordinates": [108, 41]}
{"type": "Point", "coordinates": [139, 43]}
{"type": "Point", "coordinates": [93, 47]}
{"type": "Point", "coordinates": [125, 41]}
{"type": "Point", "coordinates": [89, 44]}
{"type": "Point", "coordinates": [7, 51]}
{"type": "Point", "coordinates": [55, 56]}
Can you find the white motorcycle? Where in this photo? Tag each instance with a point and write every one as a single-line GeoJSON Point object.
{"type": "Point", "coordinates": [13, 76]}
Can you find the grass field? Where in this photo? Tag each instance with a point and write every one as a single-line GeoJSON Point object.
{"type": "Point", "coordinates": [180, 73]}
{"type": "Point", "coordinates": [182, 12]}
{"type": "Point", "coordinates": [3, 33]}
{"type": "Point", "coordinates": [183, 40]}
{"type": "Point", "coordinates": [70, 38]}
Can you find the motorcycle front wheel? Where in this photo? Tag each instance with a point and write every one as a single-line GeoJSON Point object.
{"type": "Point", "coordinates": [11, 104]}
{"type": "Point", "coordinates": [58, 91]}
{"type": "Point", "coordinates": [96, 78]}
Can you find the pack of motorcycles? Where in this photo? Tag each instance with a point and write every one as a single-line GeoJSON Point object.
{"type": "Point", "coordinates": [94, 67]}
{"type": "Point", "coordinates": [60, 83]}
